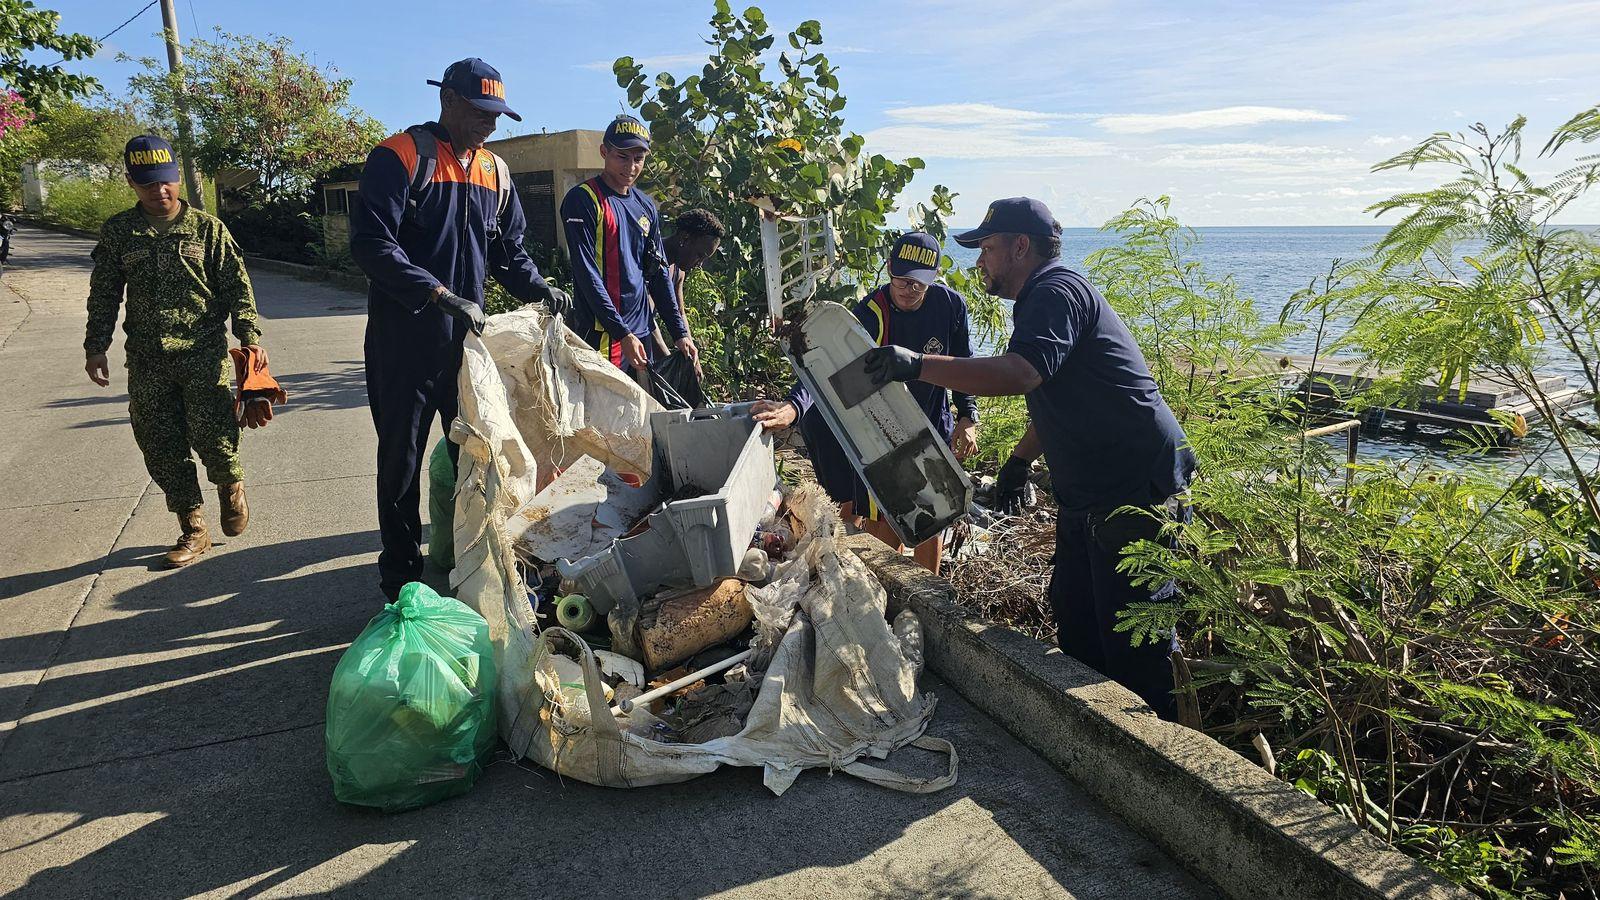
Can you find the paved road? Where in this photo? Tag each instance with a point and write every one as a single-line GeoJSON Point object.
{"type": "Point", "coordinates": [161, 732]}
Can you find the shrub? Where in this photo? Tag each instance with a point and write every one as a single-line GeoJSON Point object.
{"type": "Point", "coordinates": [283, 230]}
{"type": "Point", "coordinates": [85, 203]}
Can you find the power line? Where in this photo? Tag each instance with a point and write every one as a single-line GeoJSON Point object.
{"type": "Point", "coordinates": [194, 19]}
{"type": "Point", "coordinates": [113, 31]}
{"type": "Point", "coordinates": [128, 22]}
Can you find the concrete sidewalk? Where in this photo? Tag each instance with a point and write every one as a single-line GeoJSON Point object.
{"type": "Point", "coordinates": [161, 732]}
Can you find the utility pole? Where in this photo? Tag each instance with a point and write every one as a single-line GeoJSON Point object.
{"type": "Point", "coordinates": [191, 181]}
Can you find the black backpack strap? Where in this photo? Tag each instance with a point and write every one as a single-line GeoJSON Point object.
{"type": "Point", "coordinates": [427, 163]}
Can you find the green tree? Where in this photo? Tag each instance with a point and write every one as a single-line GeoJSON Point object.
{"type": "Point", "coordinates": [25, 28]}
{"type": "Point", "coordinates": [737, 134]}
{"type": "Point", "coordinates": [1189, 324]}
{"type": "Point", "coordinates": [74, 130]}
{"type": "Point", "coordinates": [1477, 276]}
{"type": "Point", "coordinates": [260, 106]}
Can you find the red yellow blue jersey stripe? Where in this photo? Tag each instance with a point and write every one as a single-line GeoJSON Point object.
{"type": "Point", "coordinates": [616, 247]}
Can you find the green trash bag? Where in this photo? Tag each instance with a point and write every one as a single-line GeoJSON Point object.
{"type": "Point", "coordinates": [411, 711]}
{"type": "Point", "coordinates": [441, 507]}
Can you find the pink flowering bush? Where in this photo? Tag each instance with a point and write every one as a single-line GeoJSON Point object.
{"type": "Point", "coordinates": [14, 114]}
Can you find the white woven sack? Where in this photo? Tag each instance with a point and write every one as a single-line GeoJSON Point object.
{"type": "Point", "coordinates": [837, 690]}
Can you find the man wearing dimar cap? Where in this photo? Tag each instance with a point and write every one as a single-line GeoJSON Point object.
{"type": "Point", "coordinates": [437, 215]}
{"type": "Point", "coordinates": [184, 278]}
{"type": "Point", "coordinates": [1095, 412]}
{"type": "Point", "coordinates": [911, 310]}
{"type": "Point", "coordinates": [618, 263]}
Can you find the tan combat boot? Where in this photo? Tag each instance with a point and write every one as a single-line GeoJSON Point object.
{"type": "Point", "coordinates": [235, 513]}
{"type": "Point", "coordinates": [192, 543]}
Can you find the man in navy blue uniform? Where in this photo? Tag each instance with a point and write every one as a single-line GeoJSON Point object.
{"type": "Point", "coordinates": [433, 220]}
{"type": "Point", "coordinates": [618, 263]}
{"type": "Point", "coordinates": [912, 311]}
{"type": "Point", "coordinates": [1095, 413]}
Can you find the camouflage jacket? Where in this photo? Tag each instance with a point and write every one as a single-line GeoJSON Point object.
{"type": "Point", "coordinates": [182, 286]}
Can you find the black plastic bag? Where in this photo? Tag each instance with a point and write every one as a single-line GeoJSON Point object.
{"type": "Point", "coordinates": [674, 383]}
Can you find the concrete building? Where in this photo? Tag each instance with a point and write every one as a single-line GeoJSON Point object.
{"type": "Point", "coordinates": [543, 166]}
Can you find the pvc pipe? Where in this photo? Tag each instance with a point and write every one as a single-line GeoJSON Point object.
{"type": "Point", "coordinates": [650, 696]}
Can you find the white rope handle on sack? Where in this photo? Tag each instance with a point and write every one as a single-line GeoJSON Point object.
{"type": "Point", "coordinates": [591, 680]}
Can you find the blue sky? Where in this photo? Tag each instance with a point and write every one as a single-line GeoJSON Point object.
{"type": "Point", "coordinates": [1245, 113]}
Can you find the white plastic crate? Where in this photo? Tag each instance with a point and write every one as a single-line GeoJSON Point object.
{"type": "Point", "coordinates": [722, 463]}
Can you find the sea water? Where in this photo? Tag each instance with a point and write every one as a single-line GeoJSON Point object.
{"type": "Point", "coordinates": [1269, 265]}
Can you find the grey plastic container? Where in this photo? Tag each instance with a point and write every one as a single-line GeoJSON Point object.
{"type": "Point", "coordinates": [721, 455]}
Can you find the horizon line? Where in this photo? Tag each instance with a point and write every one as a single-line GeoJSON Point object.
{"type": "Point", "coordinates": [1377, 225]}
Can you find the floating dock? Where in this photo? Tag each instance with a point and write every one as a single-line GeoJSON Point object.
{"type": "Point", "coordinates": [1427, 403]}
{"type": "Point", "coordinates": [1333, 380]}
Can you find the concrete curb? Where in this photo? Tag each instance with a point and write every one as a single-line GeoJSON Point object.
{"type": "Point", "coordinates": [350, 281]}
{"type": "Point", "coordinates": [1222, 817]}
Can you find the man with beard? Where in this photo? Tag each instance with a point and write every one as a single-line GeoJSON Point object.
{"type": "Point", "coordinates": [1098, 418]}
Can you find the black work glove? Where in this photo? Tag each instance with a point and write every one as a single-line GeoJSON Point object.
{"type": "Point", "coordinates": [560, 302]}
{"type": "Point", "coordinates": [891, 363]}
{"type": "Point", "coordinates": [1009, 486]}
{"type": "Point", "coordinates": [461, 309]}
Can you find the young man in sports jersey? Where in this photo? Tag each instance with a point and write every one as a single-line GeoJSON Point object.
{"type": "Point", "coordinates": [913, 311]}
{"type": "Point", "coordinates": [618, 262]}
{"type": "Point", "coordinates": [433, 221]}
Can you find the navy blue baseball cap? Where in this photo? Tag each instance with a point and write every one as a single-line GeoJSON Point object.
{"type": "Point", "coordinates": [150, 159]}
{"type": "Point", "coordinates": [1013, 215]}
{"type": "Point", "coordinates": [625, 133]}
{"type": "Point", "coordinates": [478, 83]}
{"type": "Point", "coordinates": [915, 256]}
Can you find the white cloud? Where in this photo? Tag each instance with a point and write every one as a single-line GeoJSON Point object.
{"type": "Point", "coordinates": [979, 131]}
{"type": "Point", "coordinates": [978, 142]}
{"type": "Point", "coordinates": [1279, 209]}
{"type": "Point", "coordinates": [1252, 149]}
{"type": "Point", "coordinates": [1379, 140]}
{"type": "Point", "coordinates": [665, 61]}
{"type": "Point", "coordinates": [1335, 193]}
{"type": "Point", "coordinates": [985, 114]}
{"type": "Point", "coordinates": [1264, 159]}
{"type": "Point", "coordinates": [1421, 29]}
{"type": "Point", "coordinates": [1225, 117]}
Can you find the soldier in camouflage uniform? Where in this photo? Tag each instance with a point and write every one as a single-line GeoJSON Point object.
{"type": "Point", "coordinates": [184, 278]}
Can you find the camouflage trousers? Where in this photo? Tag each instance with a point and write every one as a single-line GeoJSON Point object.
{"type": "Point", "coordinates": [181, 403]}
